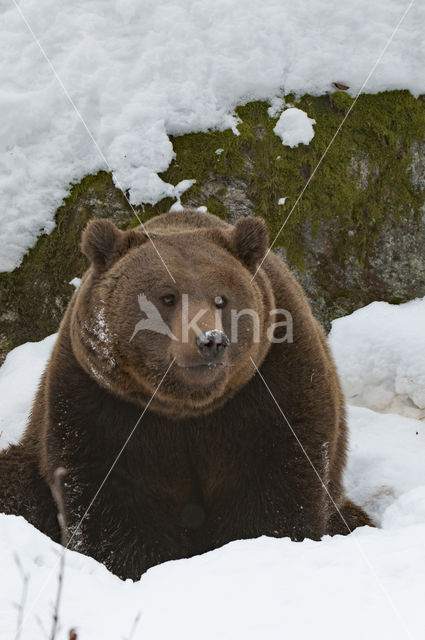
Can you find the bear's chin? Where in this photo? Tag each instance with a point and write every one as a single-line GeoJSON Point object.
{"type": "Point", "coordinates": [199, 384]}
{"type": "Point", "coordinates": [192, 391]}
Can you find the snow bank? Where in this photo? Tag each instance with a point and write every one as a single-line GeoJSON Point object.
{"type": "Point", "coordinates": [251, 589]}
{"type": "Point", "coordinates": [140, 71]}
{"type": "Point", "coordinates": [294, 127]}
{"type": "Point", "coordinates": [380, 355]}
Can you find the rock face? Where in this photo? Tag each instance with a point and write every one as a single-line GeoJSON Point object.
{"type": "Point", "coordinates": [33, 297]}
{"type": "Point", "coordinates": [357, 233]}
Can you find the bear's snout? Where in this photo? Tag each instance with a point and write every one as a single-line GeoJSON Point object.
{"type": "Point", "coordinates": [212, 344]}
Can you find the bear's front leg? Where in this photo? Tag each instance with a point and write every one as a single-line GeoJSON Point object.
{"type": "Point", "coordinates": [128, 533]}
{"type": "Point", "coordinates": [278, 502]}
{"type": "Point", "coordinates": [24, 492]}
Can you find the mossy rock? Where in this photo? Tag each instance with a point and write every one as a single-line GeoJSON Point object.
{"type": "Point", "coordinates": [356, 234]}
{"type": "Point", "coordinates": [34, 296]}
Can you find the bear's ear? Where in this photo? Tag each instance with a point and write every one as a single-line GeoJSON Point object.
{"type": "Point", "coordinates": [250, 240]}
{"type": "Point", "coordinates": [103, 243]}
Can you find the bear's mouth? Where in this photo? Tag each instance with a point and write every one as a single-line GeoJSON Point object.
{"type": "Point", "coordinates": [201, 366]}
{"type": "Point", "coordinates": [196, 385]}
{"type": "Point", "coordinates": [200, 375]}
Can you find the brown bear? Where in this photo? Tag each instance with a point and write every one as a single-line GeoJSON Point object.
{"type": "Point", "coordinates": [185, 414]}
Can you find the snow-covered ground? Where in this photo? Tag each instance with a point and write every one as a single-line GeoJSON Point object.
{"type": "Point", "coordinates": [140, 71]}
{"type": "Point", "coordinates": [369, 584]}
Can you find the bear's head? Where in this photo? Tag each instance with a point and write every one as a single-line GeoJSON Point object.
{"type": "Point", "coordinates": [174, 317]}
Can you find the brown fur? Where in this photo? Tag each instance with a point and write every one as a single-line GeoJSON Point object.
{"type": "Point", "coordinates": [212, 459]}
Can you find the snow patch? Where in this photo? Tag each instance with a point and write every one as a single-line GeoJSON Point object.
{"type": "Point", "coordinates": [177, 206]}
{"type": "Point", "coordinates": [294, 127]}
{"type": "Point", "coordinates": [277, 105]}
{"type": "Point", "coordinates": [179, 190]}
{"type": "Point", "coordinates": [75, 282]}
{"type": "Point", "coordinates": [19, 378]}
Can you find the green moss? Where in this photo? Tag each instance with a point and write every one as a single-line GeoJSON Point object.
{"type": "Point", "coordinates": [341, 101]}
{"type": "Point", "coordinates": [216, 207]}
{"type": "Point", "coordinates": [199, 155]}
{"type": "Point", "coordinates": [361, 179]}
{"type": "Point", "coordinates": [34, 296]}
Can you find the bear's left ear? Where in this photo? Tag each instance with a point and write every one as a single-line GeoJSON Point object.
{"type": "Point", "coordinates": [103, 243]}
{"type": "Point", "coordinates": [250, 240]}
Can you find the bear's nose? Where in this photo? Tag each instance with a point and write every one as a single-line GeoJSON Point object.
{"type": "Point", "coordinates": [212, 344]}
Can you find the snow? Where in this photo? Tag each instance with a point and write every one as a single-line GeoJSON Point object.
{"type": "Point", "coordinates": [75, 282]}
{"type": "Point", "coordinates": [19, 378]}
{"type": "Point", "coordinates": [294, 127]}
{"type": "Point", "coordinates": [277, 104]}
{"type": "Point", "coordinates": [259, 588]}
{"type": "Point", "coordinates": [386, 460]}
{"type": "Point", "coordinates": [379, 352]}
{"type": "Point", "coordinates": [251, 589]}
{"type": "Point", "coordinates": [138, 72]}
{"type": "Point", "coordinates": [177, 206]}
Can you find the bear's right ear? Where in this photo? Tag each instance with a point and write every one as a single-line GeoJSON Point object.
{"type": "Point", "coordinates": [103, 243]}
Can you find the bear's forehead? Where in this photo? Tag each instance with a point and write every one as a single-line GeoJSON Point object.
{"type": "Point", "coordinates": [194, 270]}
{"type": "Point", "coordinates": [191, 256]}
{"type": "Point", "coordinates": [194, 245]}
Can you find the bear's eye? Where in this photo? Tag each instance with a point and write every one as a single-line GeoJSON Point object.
{"type": "Point", "coordinates": [169, 299]}
{"type": "Point", "coordinates": [220, 302]}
